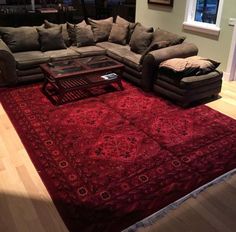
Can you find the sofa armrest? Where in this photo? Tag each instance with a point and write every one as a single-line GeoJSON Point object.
{"type": "Point", "coordinates": [7, 66]}
{"type": "Point", "coordinates": [154, 58]}
{"type": "Point", "coordinates": [177, 51]}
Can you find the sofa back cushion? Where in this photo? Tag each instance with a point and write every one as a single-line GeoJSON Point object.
{"type": "Point", "coordinates": [162, 39]}
{"type": "Point", "coordinates": [118, 33]}
{"type": "Point", "coordinates": [21, 38]}
{"type": "Point", "coordinates": [101, 28]}
{"type": "Point", "coordinates": [51, 38]}
{"type": "Point", "coordinates": [141, 38]}
{"type": "Point", "coordinates": [131, 26]}
{"type": "Point", "coordinates": [84, 36]}
{"type": "Point", "coordinates": [159, 36]}
{"type": "Point", "coordinates": [65, 35]}
{"type": "Point", "coordinates": [71, 30]}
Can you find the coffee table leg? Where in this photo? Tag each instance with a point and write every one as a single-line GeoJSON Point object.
{"type": "Point", "coordinates": [120, 84]}
{"type": "Point", "coordinates": [45, 84]}
{"type": "Point", "coordinates": [60, 97]}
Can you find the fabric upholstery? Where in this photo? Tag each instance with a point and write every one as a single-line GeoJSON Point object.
{"type": "Point", "coordinates": [185, 90]}
{"type": "Point", "coordinates": [190, 81]}
{"type": "Point", "coordinates": [131, 59]}
{"type": "Point", "coordinates": [194, 65]}
{"type": "Point", "coordinates": [202, 80]}
{"type": "Point", "coordinates": [84, 36]}
{"type": "Point", "coordinates": [152, 47]}
{"type": "Point", "coordinates": [118, 33]}
{"type": "Point", "coordinates": [161, 35]}
{"type": "Point", "coordinates": [131, 26]}
{"type": "Point", "coordinates": [20, 38]}
{"type": "Point", "coordinates": [140, 39]}
{"type": "Point", "coordinates": [101, 28]}
{"type": "Point", "coordinates": [89, 50]}
{"type": "Point", "coordinates": [71, 30]}
{"type": "Point", "coordinates": [176, 51]}
{"type": "Point", "coordinates": [61, 54]}
{"type": "Point", "coordinates": [65, 34]}
{"type": "Point", "coordinates": [30, 59]}
{"type": "Point", "coordinates": [28, 72]}
{"type": "Point", "coordinates": [190, 96]}
{"type": "Point", "coordinates": [122, 21]}
{"type": "Point", "coordinates": [51, 39]}
{"type": "Point", "coordinates": [123, 52]}
{"type": "Point", "coordinates": [111, 46]}
{"type": "Point", "coordinates": [7, 66]}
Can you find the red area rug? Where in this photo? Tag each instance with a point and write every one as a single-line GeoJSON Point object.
{"type": "Point", "coordinates": [111, 160]}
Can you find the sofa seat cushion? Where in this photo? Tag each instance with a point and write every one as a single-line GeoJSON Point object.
{"type": "Point", "coordinates": [112, 46]}
{"type": "Point", "coordinates": [112, 49]}
{"type": "Point", "coordinates": [191, 81]}
{"type": "Point", "coordinates": [88, 50]}
{"type": "Point", "coordinates": [25, 60]}
{"type": "Point", "coordinates": [61, 54]}
{"type": "Point", "coordinates": [132, 59]}
{"type": "Point", "coordinates": [123, 54]}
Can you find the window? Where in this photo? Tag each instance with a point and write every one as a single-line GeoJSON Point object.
{"type": "Point", "coordinates": [203, 16]}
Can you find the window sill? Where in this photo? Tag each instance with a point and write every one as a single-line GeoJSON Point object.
{"type": "Point", "coordinates": [205, 28]}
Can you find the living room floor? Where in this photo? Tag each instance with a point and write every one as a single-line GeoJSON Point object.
{"type": "Point", "coordinates": [26, 206]}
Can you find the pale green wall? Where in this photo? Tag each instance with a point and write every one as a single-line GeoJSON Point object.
{"type": "Point", "coordinates": [171, 19]}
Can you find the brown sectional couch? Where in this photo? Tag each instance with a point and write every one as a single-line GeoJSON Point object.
{"type": "Point", "coordinates": [23, 66]}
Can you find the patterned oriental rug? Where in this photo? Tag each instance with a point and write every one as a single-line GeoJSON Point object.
{"type": "Point", "coordinates": [111, 160]}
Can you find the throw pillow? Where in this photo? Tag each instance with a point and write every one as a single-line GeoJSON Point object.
{"type": "Point", "coordinates": [51, 39]}
{"type": "Point", "coordinates": [162, 39]}
{"type": "Point", "coordinates": [194, 65]}
{"type": "Point", "coordinates": [20, 39]}
{"type": "Point", "coordinates": [152, 47]}
{"type": "Point", "coordinates": [65, 35]}
{"type": "Point", "coordinates": [101, 28]}
{"type": "Point", "coordinates": [118, 33]}
{"type": "Point", "coordinates": [122, 21]}
{"type": "Point", "coordinates": [140, 39]}
{"type": "Point", "coordinates": [84, 36]}
{"type": "Point", "coordinates": [160, 35]}
{"type": "Point", "coordinates": [71, 30]}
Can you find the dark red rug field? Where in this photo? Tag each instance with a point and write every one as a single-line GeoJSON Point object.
{"type": "Point", "coordinates": [111, 160]}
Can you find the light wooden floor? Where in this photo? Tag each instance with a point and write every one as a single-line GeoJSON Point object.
{"type": "Point", "coordinates": [25, 205]}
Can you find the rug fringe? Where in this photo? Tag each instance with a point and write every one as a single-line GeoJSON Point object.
{"type": "Point", "coordinates": [150, 220]}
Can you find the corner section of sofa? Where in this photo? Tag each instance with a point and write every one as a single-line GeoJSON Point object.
{"type": "Point", "coordinates": [7, 66]}
{"type": "Point", "coordinates": [154, 58]}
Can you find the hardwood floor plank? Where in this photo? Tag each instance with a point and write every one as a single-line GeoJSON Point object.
{"type": "Point", "coordinates": [7, 223]}
{"type": "Point", "coordinates": [40, 204]}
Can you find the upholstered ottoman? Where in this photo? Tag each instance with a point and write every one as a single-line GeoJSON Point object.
{"type": "Point", "coordinates": [187, 83]}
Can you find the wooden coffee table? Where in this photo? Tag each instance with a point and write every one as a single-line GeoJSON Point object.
{"type": "Point", "coordinates": [71, 76]}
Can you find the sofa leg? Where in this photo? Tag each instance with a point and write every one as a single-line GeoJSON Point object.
{"type": "Point", "coordinates": [214, 96]}
{"type": "Point", "coordinates": [185, 104]}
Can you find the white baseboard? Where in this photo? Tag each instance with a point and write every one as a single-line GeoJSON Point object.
{"type": "Point", "coordinates": [226, 76]}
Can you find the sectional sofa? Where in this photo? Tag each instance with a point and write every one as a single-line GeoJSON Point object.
{"type": "Point", "coordinates": [139, 48]}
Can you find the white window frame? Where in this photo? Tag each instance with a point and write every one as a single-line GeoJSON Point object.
{"type": "Point", "coordinates": [208, 28]}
